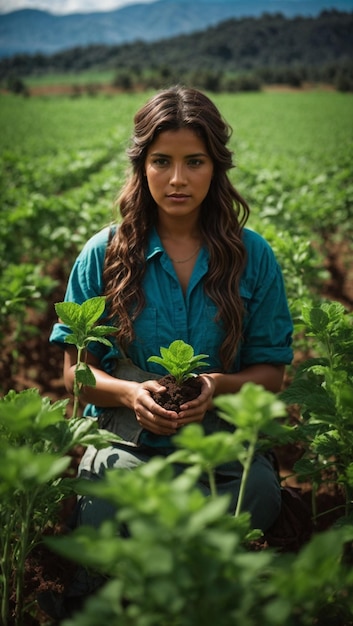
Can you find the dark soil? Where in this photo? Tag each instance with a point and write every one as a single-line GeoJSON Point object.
{"type": "Point", "coordinates": [175, 395]}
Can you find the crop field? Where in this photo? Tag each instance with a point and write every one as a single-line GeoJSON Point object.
{"type": "Point", "coordinates": [62, 163]}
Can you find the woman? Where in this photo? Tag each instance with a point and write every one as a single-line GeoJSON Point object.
{"type": "Point", "coordinates": [180, 265]}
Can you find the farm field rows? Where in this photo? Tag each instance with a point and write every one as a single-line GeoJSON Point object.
{"type": "Point", "coordinates": [62, 162]}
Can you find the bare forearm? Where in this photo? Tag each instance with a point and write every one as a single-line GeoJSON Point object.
{"type": "Point", "coordinates": [112, 392]}
{"type": "Point", "coordinates": [267, 375]}
{"type": "Point", "coordinates": [108, 391]}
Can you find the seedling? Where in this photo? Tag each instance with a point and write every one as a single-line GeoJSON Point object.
{"type": "Point", "coordinates": [82, 320]}
{"type": "Point", "coordinates": [179, 360]}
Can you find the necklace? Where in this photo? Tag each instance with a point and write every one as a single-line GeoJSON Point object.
{"type": "Point", "coordinates": [189, 257]}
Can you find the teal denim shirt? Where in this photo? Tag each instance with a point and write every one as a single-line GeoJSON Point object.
{"type": "Point", "coordinates": [169, 315]}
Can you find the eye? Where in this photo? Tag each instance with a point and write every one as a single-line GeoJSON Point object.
{"type": "Point", "coordinates": [160, 161]}
{"type": "Point", "coordinates": [195, 162]}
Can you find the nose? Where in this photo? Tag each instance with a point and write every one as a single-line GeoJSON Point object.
{"type": "Point", "coordinates": [178, 174]}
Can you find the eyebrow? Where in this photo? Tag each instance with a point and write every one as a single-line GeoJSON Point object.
{"type": "Point", "coordinates": [187, 156]}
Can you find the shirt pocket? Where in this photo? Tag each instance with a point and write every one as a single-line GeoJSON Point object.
{"type": "Point", "coordinates": [210, 332]}
{"type": "Point", "coordinates": [146, 331]}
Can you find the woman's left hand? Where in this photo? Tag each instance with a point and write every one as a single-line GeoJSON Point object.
{"type": "Point", "coordinates": [194, 411]}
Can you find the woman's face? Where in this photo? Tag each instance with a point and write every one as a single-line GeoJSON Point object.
{"type": "Point", "coordinates": [179, 171]}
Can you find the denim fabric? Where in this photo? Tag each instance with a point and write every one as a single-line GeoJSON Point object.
{"type": "Point", "coordinates": [262, 494]}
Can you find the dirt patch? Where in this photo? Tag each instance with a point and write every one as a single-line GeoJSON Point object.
{"type": "Point", "coordinates": [77, 89]}
{"type": "Point", "coordinates": [338, 262]}
{"type": "Point", "coordinates": [175, 395]}
{"type": "Point", "coordinates": [73, 90]}
{"type": "Point", "coordinates": [303, 87]}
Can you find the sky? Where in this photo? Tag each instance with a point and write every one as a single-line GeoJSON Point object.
{"type": "Point", "coordinates": [61, 7]}
{"type": "Point", "coordinates": [66, 6]}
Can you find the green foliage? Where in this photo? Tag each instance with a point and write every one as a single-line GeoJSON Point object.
{"type": "Point", "coordinates": [181, 550]}
{"type": "Point", "coordinates": [240, 53]}
{"type": "Point", "coordinates": [82, 321]}
{"type": "Point", "coordinates": [62, 162]}
{"type": "Point", "coordinates": [19, 285]}
{"type": "Point", "coordinates": [35, 439]}
{"type": "Point", "coordinates": [252, 413]}
{"type": "Point", "coordinates": [181, 546]}
{"type": "Point", "coordinates": [179, 360]}
{"type": "Point", "coordinates": [323, 388]}
{"type": "Point", "coordinates": [186, 560]}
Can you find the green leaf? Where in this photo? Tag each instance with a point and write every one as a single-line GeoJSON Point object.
{"type": "Point", "coordinates": [69, 313]}
{"type": "Point", "coordinates": [84, 375]}
{"type": "Point", "coordinates": [308, 394]}
{"type": "Point", "coordinates": [179, 360]}
{"type": "Point", "coordinates": [319, 320]}
{"type": "Point", "coordinates": [72, 339]}
{"type": "Point", "coordinates": [101, 331]}
{"type": "Point", "coordinates": [93, 309]}
{"type": "Point", "coordinates": [205, 451]}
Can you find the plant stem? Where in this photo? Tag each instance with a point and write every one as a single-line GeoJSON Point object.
{"type": "Point", "coordinates": [77, 387]}
{"type": "Point", "coordinates": [246, 470]}
{"type": "Point", "coordinates": [21, 559]}
{"type": "Point", "coordinates": [6, 564]}
{"type": "Point", "coordinates": [211, 480]}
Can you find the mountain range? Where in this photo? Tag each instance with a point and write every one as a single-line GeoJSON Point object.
{"type": "Point", "coordinates": [34, 31]}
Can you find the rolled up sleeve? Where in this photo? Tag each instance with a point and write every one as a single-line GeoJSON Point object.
{"type": "Point", "coordinates": [268, 326]}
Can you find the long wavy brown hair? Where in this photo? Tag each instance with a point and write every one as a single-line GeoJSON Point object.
{"type": "Point", "coordinates": [223, 215]}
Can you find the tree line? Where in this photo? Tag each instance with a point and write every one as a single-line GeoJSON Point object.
{"type": "Point", "coordinates": [236, 55]}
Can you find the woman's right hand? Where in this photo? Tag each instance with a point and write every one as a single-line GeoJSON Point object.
{"type": "Point", "coordinates": [151, 415]}
{"type": "Point", "coordinates": [110, 391]}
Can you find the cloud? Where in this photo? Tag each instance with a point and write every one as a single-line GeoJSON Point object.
{"type": "Point", "coordinates": [61, 7]}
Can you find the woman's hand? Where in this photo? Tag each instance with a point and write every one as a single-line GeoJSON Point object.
{"type": "Point", "coordinates": [151, 415]}
{"type": "Point", "coordinates": [158, 420]}
{"type": "Point", "coordinates": [194, 411]}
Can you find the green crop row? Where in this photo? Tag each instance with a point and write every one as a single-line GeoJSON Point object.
{"type": "Point", "coordinates": [63, 161]}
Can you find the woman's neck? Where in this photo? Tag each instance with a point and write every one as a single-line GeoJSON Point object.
{"type": "Point", "coordinates": [181, 234]}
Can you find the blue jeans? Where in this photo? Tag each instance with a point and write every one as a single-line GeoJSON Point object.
{"type": "Point", "coordinates": [262, 495]}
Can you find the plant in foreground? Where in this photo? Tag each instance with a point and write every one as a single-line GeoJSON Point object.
{"type": "Point", "coordinates": [82, 320]}
{"type": "Point", "coordinates": [186, 561]}
{"type": "Point", "coordinates": [323, 388]}
{"type": "Point", "coordinates": [179, 360]}
{"type": "Point", "coordinates": [35, 441]}
{"type": "Point", "coordinates": [253, 413]}
{"type": "Point", "coordinates": [181, 383]}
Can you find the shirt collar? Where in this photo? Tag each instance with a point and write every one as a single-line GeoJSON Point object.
{"type": "Point", "coordinates": [154, 245]}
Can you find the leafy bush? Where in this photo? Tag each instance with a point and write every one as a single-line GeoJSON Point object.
{"type": "Point", "coordinates": [186, 560]}
{"type": "Point", "coordinates": [35, 439]}
{"type": "Point", "coordinates": [323, 388]}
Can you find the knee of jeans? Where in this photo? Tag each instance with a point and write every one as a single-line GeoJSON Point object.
{"type": "Point", "coordinates": [263, 494]}
{"type": "Point", "coordinates": [94, 511]}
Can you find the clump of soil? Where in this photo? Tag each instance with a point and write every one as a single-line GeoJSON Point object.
{"type": "Point", "coordinates": [175, 395]}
